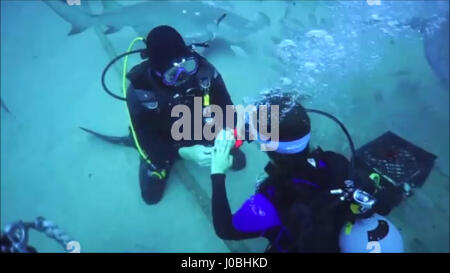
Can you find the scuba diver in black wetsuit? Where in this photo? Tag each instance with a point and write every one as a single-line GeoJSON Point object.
{"type": "Point", "coordinates": [172, 74]}
{"type": "Point", "coordinates": [295, 207]}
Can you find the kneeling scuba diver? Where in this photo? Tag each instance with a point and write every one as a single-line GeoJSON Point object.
{"type": "Point", "coordinates": [309, 201]}
{"type": "Point", "coordinates": [171, 74]}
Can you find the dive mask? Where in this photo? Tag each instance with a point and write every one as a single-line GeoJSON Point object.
{"type": "Point", "coordinates": [177, 73]}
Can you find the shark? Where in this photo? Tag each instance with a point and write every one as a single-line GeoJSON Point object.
{"type": "Point", "coordinates": [197, 21]}
{"type": "Point", "coordinates": [435, 35]}
{"type": "Point", "coordinates": [435, 42]}
{"type": "Point", "coordinates": [436, 51]}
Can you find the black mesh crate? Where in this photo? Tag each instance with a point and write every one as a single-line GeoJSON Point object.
{"type": "Point", "coordinates": [397, 160]}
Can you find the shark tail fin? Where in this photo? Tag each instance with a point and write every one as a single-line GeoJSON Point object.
{"type": "Point", "coordinates": [125, 140]}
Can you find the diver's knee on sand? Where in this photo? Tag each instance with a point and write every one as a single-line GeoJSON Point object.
{"type": "Point", "coordinates": [152, 183]}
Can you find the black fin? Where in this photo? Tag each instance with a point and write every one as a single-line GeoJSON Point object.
{"type": "Point", "coordinates": [221, 18]}
{"type": "Point", "coordinates": [125, 141]}
{"type": "Point", "coordinates": [6, 108]}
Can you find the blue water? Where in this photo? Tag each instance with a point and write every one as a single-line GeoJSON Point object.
{"type": "Point", "coordinates": [351, 59]}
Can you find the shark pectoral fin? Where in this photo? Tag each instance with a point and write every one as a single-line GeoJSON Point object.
{"type": "Point", "coordinates": [238, 51]}
{"type": "Point", "coordinates": [111, 6]}
{"type": "Point", "coordinates": [111, 29]}
{"type": "Point", "coordinates": [261, 21]}
{"type": "Point", "coordinates": [76, 29]}
{"type": "Point", "coordinates": [77, 16]}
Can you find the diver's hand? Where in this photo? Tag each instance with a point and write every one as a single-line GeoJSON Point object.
{"type": "Point", "coordinates": [221, 159]}
{"type": "Point", "coordinates": [198, 153]}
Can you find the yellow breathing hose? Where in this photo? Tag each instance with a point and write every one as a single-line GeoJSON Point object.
{"type": "Point", "coordinates": [124, 92]}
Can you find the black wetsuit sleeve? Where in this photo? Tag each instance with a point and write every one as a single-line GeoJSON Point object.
{"type": "Point", "coordinates": [222, 216]}
{"type": "Point", "coordinates": [150, 130]}
{"type": "Point", "coordinates": [220, 96]}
